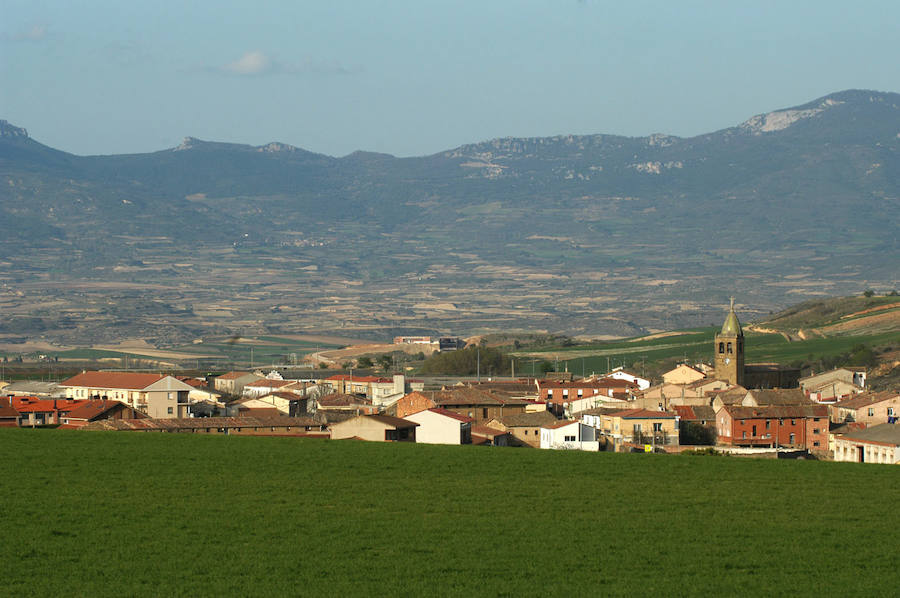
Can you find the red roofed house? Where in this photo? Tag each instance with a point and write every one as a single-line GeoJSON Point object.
{"type": "Point", "coordinates": [870, 408]}
{"type": "Point", "coordinates": [792, 426]}
{"type": "Point", "coordinates": [157, 395]}
{"type": "Point", "coordinates": [565, 398]}
{"type": "Point", "coordinates": [9, 417]}
{"type": "Point", "coordinates": [42, 412]}
{"type": "Point", "coordinates": [265, 386]}
{"type": "Point", "coordinates": [90, 411]}
{"type": "Point", "coordinates": [440, 426]}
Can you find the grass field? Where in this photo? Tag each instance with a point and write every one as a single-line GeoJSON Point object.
{"type": "Point", "coordinates": [134, 514]}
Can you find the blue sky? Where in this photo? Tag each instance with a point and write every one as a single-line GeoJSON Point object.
{"type": "Point", "coordinates": [414, 78]}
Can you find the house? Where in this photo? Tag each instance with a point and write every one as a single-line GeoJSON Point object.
{"type": "Point", "coordinates": [699, 392]}
{"type": "Point", "coordinates": [480, 406]}
{"type": "Point", "coordinates": [411, 403]}
{"type": "Point", "coordinates": [439, 426]}
{"type": "Point", "coordinates": [877, 444]}
{"type": "Point", "coordinates": [569, 435]}
{"type": "Point", "coordinates": [252, 407]}
{"type": "Point", "coordinates": [94, 410]}
{"type": "Point", "coordinates": [765, 397]}
{"type": "Point", "coordinates": [242, 426]}
{"type": "Point", "coordinates": [639, 427]}
{"type": "Point", "coordinates": [683, 374]}
{"type": "Point", "coordinates": [871, 408]}
{"type": "Point", "coordinates": [853, 378]}
{"type": "Point", "coordinates": [156, 395]}
{"type": "Point", "coordinates": [264, 386]}
{"type": "Point", "coordinates": [696, 424]}
{"type": "Point", "coordinates": [233, 383]}
{"type": "Point", "coordinates": [9, 417]}
{"type": "Point", "coordinates": [35, 411]}
{"type": "Point", "coordinates": [525, 428]}
{"type": "Point", "coordinates": [621, 374]}
{"type": "Point", "coordinates": [374, 387]}
{"type": "Point", "coordinates": [354, 404]}
{"type": "Point", "coordinates": [564, 398]}
{"type": "Point", "coordinates": [791, 426]}
{"type": "Point", "coordinates": [486, 436]}
{"type": "Point", "coordinates": [376, 428]}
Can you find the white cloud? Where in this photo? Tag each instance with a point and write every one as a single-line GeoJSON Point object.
{"type": "Point", "coordinates": [251, 63]}
{"type": "Point", "coordinates": [258, 63]}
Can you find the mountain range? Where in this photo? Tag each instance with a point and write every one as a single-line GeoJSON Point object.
{"type": "Point", "coordinates": [588, 234]}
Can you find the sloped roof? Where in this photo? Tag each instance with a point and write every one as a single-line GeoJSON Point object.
{"type": "Point", "coordinates": [781, 396]}
{"type": "Point", "coordinates": [866, 399]}
{"type": "Point", "coordinates": [882, 434]}
{"type": "Point", "coordinates": [694, 412]}
{"type": "Point", "coordinates": [777, 411]}
{"type": "Point", "coordinates": [392, 421]}
{"type": "Point", "coordinates": [560, 424]}
{"type": "Point", "coordinates": [266, 383]}
{"type": "Point", "coordinates": [234, 375]}
{"type": "Point", "coordinates": [536, 419]}
{"type": "Point", "coordinates": [197, 423]}
{"type": "Point", "coordinates": [93, 409]}
{"type": "Point", "coordinates": [342, 400]}
{"type": "Point", "coordinates": [124, 380]}
{"type": "Point", "coordinates": [38, 405]}
{"type": "Point", "coordinates": [642, 414]}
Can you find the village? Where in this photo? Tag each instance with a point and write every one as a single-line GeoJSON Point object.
{"type": "Point", "coordinates": [727, 406]}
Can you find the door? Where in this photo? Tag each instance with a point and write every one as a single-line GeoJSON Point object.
{"type": "Point", "coordinates": [861, 452]}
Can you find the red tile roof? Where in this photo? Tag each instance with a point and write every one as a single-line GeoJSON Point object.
{"type": "Point", "coordinates": [232, 375]}
{"type": "Point", "coordinates": [349, 378]}
{"type": "Point", "coordinates": [93, 409]}
{"type": "Point", "coordinates": [266, 383]}
{"type": "Point", "coordinates": [36, 405]}
{"type": "Point", "coordinates": [127, 380]}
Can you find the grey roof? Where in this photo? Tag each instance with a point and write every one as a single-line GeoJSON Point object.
{"type": "Point", "coordinates": [885, 433]}
{"type": "Point", "coordinates": [35, 387]}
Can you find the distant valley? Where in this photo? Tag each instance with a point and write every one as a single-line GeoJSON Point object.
{"type": "Point", "coordinates": [591, 235]}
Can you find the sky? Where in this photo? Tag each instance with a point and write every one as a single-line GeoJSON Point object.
{"type": "Point", "coordinates": [415, 78]}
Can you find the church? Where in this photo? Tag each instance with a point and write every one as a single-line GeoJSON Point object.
{"type": "Point", "coordinates": [729, 361]}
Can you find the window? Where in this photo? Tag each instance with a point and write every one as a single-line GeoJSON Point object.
{"type": "Point", "coordinates": [871, 411]}
{"type": "Point", "coordinates": [793, 422]}
{"type": "Point", "coordinates": [729, 349]}
{"type": "Point", "coordinates": [580, 392]}
{"type": "Point", "coordinates": [816, 443]}
{"type": "Point", "coordinates": [169, 410]}
{"type": "Point", "coordinates": [791, 439]}
{"type": "Point", "coordinates": [767, 424]}
{"type": "Point", "coordinates": [657, 426]}
{"type": "Point", "coordinates": [565, 392]}
{"type": "Point", "coordinates": [549, 393]}
{"type": "Point", "coordinates": [890, 411]}
{"type": "Point", "coordinates": [815, 430]}
{"type": "Point", "coordinates": [484, 412]}
{"type": "Point", "coordinates": [570, 439]}
{"type": "Point", "coordinates": [721, 347]}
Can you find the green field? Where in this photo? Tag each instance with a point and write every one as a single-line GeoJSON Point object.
{"type": "Point", "coordinates": [118, 514]}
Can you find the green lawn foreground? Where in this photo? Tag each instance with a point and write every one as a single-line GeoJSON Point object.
{"type": "Point", "coordinates": [108, 513]}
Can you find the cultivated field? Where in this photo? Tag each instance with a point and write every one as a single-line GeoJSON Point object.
{"type": "Point", "coordinates": [129, 514]}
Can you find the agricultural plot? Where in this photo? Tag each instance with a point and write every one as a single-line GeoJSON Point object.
{"type": "Point", "coordinates": [115, 514]}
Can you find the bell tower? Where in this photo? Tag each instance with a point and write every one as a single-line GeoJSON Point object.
{"type": "Point", "coordinates": [729, 350]}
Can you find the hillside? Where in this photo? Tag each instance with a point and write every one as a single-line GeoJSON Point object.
{"type": "Point", "coordinates": [274, 516]}
{"type": "Point", "coordinates": [792, 204]}
{"type": "Point", "coordinates": [838, 316]}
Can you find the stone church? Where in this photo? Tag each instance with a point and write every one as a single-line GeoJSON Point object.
{"type": "Point", "coordinates": [730, 366]}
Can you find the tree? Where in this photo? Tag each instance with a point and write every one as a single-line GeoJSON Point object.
{"type": "Point", "coordinates": [868, 293]}
{"type": "Point", "coordinates": [364, 362]}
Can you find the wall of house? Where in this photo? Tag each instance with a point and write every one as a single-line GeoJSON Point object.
{"type": "Point", "coordinates": [438, 429]}
{"type": "Point", "coordinates": [848, 450]}
{"type": "Point", "coordinates": [873, 414]}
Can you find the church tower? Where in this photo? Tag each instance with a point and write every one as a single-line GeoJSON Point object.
{"type": "Point", "coordinates": [729, 350]}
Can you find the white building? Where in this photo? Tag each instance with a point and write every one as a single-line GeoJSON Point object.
{"type": "Point", "coordinates": [440, 426]}
{"type": "Point", "coordinates": [620, 374]}
{"type": "Point", "coordinates": [569, 435]}
{"type": "Point", "coordinates": [878, 444]}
